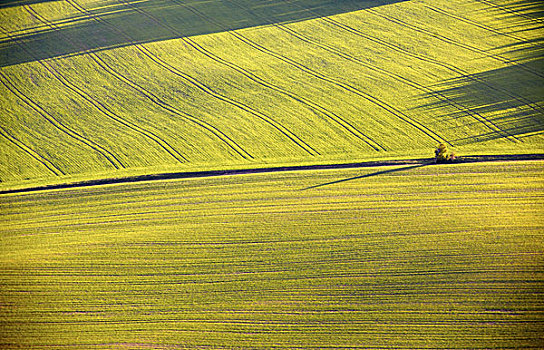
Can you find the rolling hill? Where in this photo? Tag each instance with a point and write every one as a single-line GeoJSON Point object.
{"type": "Point", "coordinates": [235, 174]}
{"type": "Point", "coordinates": [106, 86]}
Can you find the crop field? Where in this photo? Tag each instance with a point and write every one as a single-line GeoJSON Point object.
{"type": "Point", "coordinates": [256, 174]}
{"type": "Point", "coordinates": [388, 257]}
{"type": "Point", "coordinates": [106, 86]}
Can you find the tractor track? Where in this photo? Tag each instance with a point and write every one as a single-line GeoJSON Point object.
{"type": "Point", "coordinates": [442, 38]}
{"type": "Point", "coordinates": [146, 93]}
{"type": "Point", "coordinates": [344, 86]}
{"type": "Point", "coordinates": [101, 107]}
{"type": "Point", "coordinates": [508, 10]}
{"type": "Point", "coordinates": [210, 128]}
{"type": "Point", "coordinates": [449, 41]}
{"type": "Point", "coordinates": [446, 66]}
{"type": "Point", "coordinates": [476, 116]}
{"type": "Point", "coordinates": [38, 157]}
{"type": "Point", "coordinates": [194, 82]}
{"type": "Point", "coordinates": [110, 157]}
{"type": "Point", "coordinates": [206, 89]}
{"type": "Point", "coordinates": [308, 103]}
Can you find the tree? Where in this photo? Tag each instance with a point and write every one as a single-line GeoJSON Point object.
{"type": "Point", "coordinates": [443, 155]}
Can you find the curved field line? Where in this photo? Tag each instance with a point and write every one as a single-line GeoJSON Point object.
{"type": "Point", "coordinates": [421, 58]}
{"type": "Point", "coordinates": [212, 129]}
{"type": "Point", "coordinates": [151, 135]}
{"type": "Point", "coordinates": [520, 99]}
{"type": "Point", "coordinates": [206, 89]}
{"type": "Point", "coordinates": [454, 42]}
{"type": "Point", "coordinates": [106, 111]}
{"type": "Point", "coordinates": [508, 10]}
{"type": "Point", "coordinates": [345, 86]}
{"type": "Point", "coordinates": [42, 160]}
{"type": "Point", "coordinates": [397, 77]}
{"type": "Point", "coordinates": [91, 100]}
{"type": "Point", "coordinates": [479, 25]}
{"type": "Point", "coordinates": [310, 104]}
{"type": "Point", "coordinates": [220, 135]}
{"type": "Point", "coordinates": [59, 125]}
{"type": "Point", "coordinates": [471, 22]}
{"type": "Point", "coordinates": [202, 87]}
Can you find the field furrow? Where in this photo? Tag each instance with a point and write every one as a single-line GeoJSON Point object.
{"type": "Point", "coordinates": [214, 94]}
{"type": "Point", "coordinates": [445, 65]}
{"type": "Point", "coordinates": [39, 158]}
{"type": "Point", "coordinates": [438, 95]}
{"type": "Point", "coordinates": [112, 159]}
{"type": "Point", "coordinates": [253, 261]}
{"type": "Point", "coordinates": [521, 99]}
{"type": "Point", "coordinates": [285, 131]}
{"type": "Point", "coordinates": [341, 121]}
{"type": "Point", "coordinates": [381, 104]}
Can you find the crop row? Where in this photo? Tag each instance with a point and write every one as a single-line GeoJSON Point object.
{"type": "Point", "coordinates": [257, 261]}
{"type": "Point", "coordinates": [386, 121]}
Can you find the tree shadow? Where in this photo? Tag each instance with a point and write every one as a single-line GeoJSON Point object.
{"type": "Point", "coordinates": [369, 175]}
{"type": "Point", "coordinates": [530, 9]}
{"type": "Point", "coordinates": [503, 103]}
{"type": "Point", "coordinates": [509, 101]}
{"type": "Point", "coordinates": [12, 3]}
{"type": "Point", "coordinates": [128, 22]}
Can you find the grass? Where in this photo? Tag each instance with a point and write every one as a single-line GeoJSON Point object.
{"type": "Point", "coordinates": [187, 84]}
{"type": "Point", "coordinates": [427, 257]}
{"type": "Point", "coordinates": [434, 256]}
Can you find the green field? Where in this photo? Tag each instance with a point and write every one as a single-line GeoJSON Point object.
{"type": "Point", "coordinates": [97, 96]}
{"type": "Point", "coordinates": [103, 86]}
{"type": "Point", "coordinates": [427, 257]}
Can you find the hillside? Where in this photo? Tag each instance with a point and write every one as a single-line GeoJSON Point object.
{"type": "Point", "coordinates": [243, 174]}
{"type": "Point", "coordinates": [434, 257]}
{"type": "Point", "coordinates": [101, 87]}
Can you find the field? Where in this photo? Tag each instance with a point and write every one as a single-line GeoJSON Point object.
{"type": "Point", "coordinates": [189, 84]}
{"type": "Point", "coordinates": [394, 257]}
{"type": "Point", "coordinates": [151, 186]}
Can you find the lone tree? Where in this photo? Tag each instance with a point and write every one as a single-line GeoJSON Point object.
{"type": "Point", "coordinates": [443, 155]}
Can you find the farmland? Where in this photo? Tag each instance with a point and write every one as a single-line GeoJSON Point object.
{"type": "Point", "coordinates": [395, 257]}
{"type": "Point", "coordinates": [257, 174]}
{"type": "Point", "coordinates": [187, 84]}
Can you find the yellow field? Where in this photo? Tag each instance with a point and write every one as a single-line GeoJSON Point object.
{"type": "Point", "coordinates": [95, 86]}
{"type": "Point", "coordinates": [394, 257]}
{"type": "Point", "coordinates": [151, 186]}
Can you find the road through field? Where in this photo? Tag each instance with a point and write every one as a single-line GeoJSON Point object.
{"type": "Point", "coordinates": [446, 256]}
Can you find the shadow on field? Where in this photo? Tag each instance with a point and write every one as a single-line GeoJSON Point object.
{"type": "Point", "coordinates": [509, 100]}
{"type": "Point", "coordinates": [369, 175]}
{"type": "Point", "coordinates": [11, 3]}
{"type": "Point", "coordinates": [413, 163]}
{"type": "Point", "coordinates": [513, 108]}
{"type": "Point", "coordinates": [125, 22]}
{"type": "Point", "coordinates": [529, 9]}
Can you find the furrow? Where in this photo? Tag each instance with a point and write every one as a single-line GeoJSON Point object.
{"type": "Point", "coordinates": [482, 26]}
{"type": "Point", "coordinates": [424, 59]}
{"type": "Point", "coordinates": [148, 134]}
{"type": "Point", "coordinates": [210, 128]}
{"type": "Point", "coordinates": [508, 10]}
{"type": "Point", "coordinates": [59, 125]}
{"type": "Point", "coordinates": [310, 104]}
{"type": "Point", "coordinates": [44, 161]}
{"type": "Point", "coordinates": [453, 42]}
{"type": "Point", "coordinates": [440, 37]}
{"type": "Point", "coordinates": [345, 86]}
{"type": "Point", "coordinates": [206, 89]}
{"type": "Point", "coordinates": [471, 22]}
{"type": "Point", "coordinates": [396, 77]}
{"type": "Point", "coordinates": [94, 102]}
